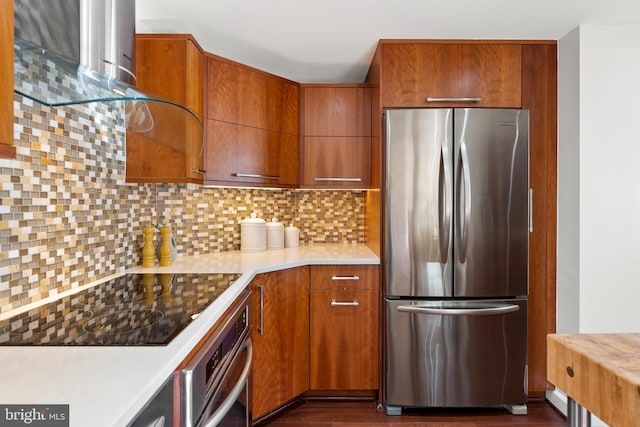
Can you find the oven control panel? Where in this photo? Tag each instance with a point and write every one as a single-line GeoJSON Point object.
{"type": "Point", "coordinates": [228, 344]}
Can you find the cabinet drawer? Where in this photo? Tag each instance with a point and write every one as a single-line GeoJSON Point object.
{"type": "Point", "coordinates": [413, 72]}
{"type": "Point", "coordinates": [344, 340]}
{"type": "Point", "coordinates": [344, 277]}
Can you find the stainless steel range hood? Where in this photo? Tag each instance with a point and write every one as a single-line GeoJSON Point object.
{"type": "Point", "coordinates": [69, 52]}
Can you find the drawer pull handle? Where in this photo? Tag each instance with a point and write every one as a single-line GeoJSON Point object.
{"type": "Point", "coordinates": [319, 178]}
{"type": "Point", "coordinates": [198, 170]}
{"type": "Point", "coordinates": [254, 175]}
{"type": "Point", "coordinates": [261, 327]}
{"type": "Point", "coordinates": [345, 278]}
{"type": "Point", "coordinates": [344, 304]}
{"type": "Point", "coordinates": [473, 99]}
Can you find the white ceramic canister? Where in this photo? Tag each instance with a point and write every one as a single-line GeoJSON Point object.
{"type": "Point", "coordinates": [275, 234]}
{"type": "Point", "coordinates": [291, 237]}
{"type": "Point", "coordinates": [253, 234]}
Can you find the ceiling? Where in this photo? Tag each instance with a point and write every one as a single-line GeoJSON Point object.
{"type": "Point", "coordinates": [334, 40]}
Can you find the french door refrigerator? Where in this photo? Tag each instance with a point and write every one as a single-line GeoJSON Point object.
{"type": "Point", "coordinates": [456, 230]}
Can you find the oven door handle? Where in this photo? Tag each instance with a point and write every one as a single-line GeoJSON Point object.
{"type": "Point", "coordinates": [217, 416]}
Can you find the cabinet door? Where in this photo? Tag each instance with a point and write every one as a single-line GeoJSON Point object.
{"type": "Point", "coordinates": [337, 111]}
{"type": "Point", "coordinates": [344, 337]}
{"type": "Point", "coordinates": [280, 335]}
{"type": "Point", "coordinates": [344, 340]}
{"type": "Point", "coordinates": [413, 72]}
{"type": "Point", "coordinates": [241, 95]}
{"type": "Point", "coordinates": [337, 162]}
{"type": "Point", "coordinates": [171, 67]}
{"type": "Point", "coordinates": [239, 154]}
{"type": "Point", "coordinates": [6, 79]}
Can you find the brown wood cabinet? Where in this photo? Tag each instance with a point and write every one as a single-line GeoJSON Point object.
{"type": "Point", "coordinates": [7, 149]}
{"type": "Point", "coordinates": [280, 336]}
{"type": "Point", "coordinates": [239, 154]}
{"type": "Point", "coordinates": [416, 71]}
{"type": "Point", "coordinates": [336, 129]}
{"type": "Point", "coordinates": [540, 97]}
{"type": "Point", "coordinates": [252, 126]}
{"type": "Point", "coordinates": [243, 95]}
{"type": "Point", "coordinates": [344, 328]}
{"type": "Point", "coordinates": [170, 66]}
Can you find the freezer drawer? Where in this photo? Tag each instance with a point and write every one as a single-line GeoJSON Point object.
{"type": "Point", "coordinates": [455, 353]}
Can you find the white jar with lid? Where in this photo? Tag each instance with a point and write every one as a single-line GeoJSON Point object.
{"type": "Point", "coordinates": [275, 234]}
{"type": "Point", "coordinates": [253, 234]}
{"type": "Point", "coordinates": [292, 236]}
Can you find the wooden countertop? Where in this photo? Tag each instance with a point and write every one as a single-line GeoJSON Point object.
{"type": "Point", "coordinates": [599, 371]}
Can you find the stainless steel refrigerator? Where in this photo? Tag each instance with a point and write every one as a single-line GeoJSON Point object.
{"type": "Point", "coordinates": [456, 232]}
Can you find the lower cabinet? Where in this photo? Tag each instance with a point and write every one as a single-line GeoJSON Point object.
{"type": "Point", "coordinates": [344, 330]}
{"type": "Point", "coordinates": [324, 340]}
{"type": "Point", "coordinates": [280, 335]}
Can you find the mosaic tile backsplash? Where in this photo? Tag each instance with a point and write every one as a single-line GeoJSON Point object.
{"type": "Point", "coordinates": [68, 218]}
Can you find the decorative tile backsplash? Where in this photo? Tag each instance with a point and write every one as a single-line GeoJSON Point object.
{"type": "Point", "coordinates": [68, 218]}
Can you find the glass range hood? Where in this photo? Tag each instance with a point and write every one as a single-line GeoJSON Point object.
{"type": "Point", "coordinates": [53, 80]}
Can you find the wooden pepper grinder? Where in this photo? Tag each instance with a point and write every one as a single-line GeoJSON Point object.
{"type": "Point", "coordinates": [148, 251]}
{"type": "Point", "coordinates": [165, 246]}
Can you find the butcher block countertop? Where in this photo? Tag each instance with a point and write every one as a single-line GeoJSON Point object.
{"type": "Point", "coordinates": [599, 371]}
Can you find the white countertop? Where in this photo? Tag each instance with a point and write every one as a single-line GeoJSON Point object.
{"type": "Point", "coordinates": [107, 386]}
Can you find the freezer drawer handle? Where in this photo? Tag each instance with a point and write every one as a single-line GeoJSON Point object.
{"type": "Point", "coordinates": [503, 309]}
{"type": "Point", "coordinates": [344, 304]}
{"type": "Point", "coordinates": [345, 277]}
{"type": "Point", "coordinates": [468, 99]}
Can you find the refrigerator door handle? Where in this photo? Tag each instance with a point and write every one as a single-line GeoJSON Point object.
{"type": "Point", "coordinates": [499, 309]}
{"type": "Point", "coordinates": [445, 195]}
{"type": "Point", "coordinates": [530, 210]}
{"type": "Point", "coordinates": [466, 217]}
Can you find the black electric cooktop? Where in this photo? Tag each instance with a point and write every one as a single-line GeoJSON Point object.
{"type": "Point", "coordinates": [132, 310]}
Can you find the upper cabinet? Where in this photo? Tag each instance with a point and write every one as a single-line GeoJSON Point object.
{"type": "Point", "coordinates": [6, 79]}
{"type": "Point", "coordinates": [336, 136]}
{"type": "Point", "coordinates": [170, 66]}
{"type": "Point", "coordinates": [252, 122]}
{"type": "Point", "coordinates": [433, 74]}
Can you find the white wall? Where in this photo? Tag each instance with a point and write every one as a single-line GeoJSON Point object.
{"type": "Point", "coordinates": [598, 285]}
{"type": "Point", "coordinates": [599, 161]}
{"type": "Point", "coordinates": [568, 270]}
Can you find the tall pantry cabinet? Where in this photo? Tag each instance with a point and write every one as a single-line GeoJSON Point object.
{"type": "Point", "coordinates": [490, 74]}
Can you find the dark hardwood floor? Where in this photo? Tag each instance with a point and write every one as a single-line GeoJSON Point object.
{"type": "Point", "coordinates": [328, 413]}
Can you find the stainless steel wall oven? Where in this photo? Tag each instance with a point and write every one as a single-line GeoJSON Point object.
{"type": "Point", "coordinates": [214, 383]}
